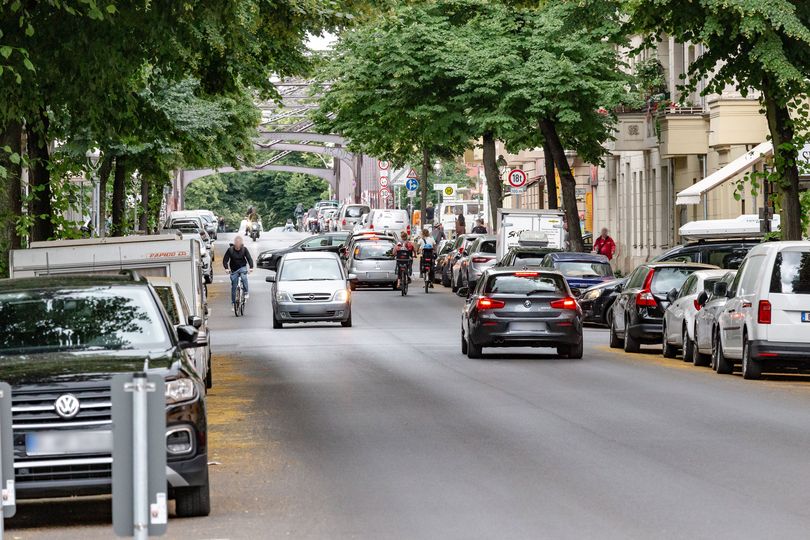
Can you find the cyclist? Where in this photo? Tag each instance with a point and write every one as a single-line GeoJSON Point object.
{"type": "Point", "coordinates": [427, 254]}
{"type": "Point", "coordinates": [239, 263]}
{"type": "Point", "coordinates": [406, 245]}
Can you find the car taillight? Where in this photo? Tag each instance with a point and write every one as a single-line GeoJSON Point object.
{"type": "Point", "coordinates": [344, 221]}
{"type": "Point", "coordinates": [527, 274]}
{"type": "Point", "coordinates": [764, 314]}
{"type": "Point", "coordinates": [371, 226]}
{"type": "Point", "coordinates": [645, 298]}
{"type": "Point", "coordinates": [461, 250]}
{"type": "Point", "coordinates": [564, 303]}
{"type": "Point", "coordinates": [408, 230]}
{"type": "Point", "coordinates": [481, 259]}
{"type": "Point", "coordinates": [489, 303]}
{"type": "Point", "coordinates": [697, 305]}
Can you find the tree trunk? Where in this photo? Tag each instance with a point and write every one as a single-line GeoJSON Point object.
{"type": "Point", "coordinates": [119, 196]}
{"type": "Point", "coordinates": [11, 136]}
{"type": "Point", "coordinates": [781, 128]}
{"type": "Point", "coordinates": [494, 183]}
{"type": "Point", "coordinates": [567, 183]}
{"type": "Point", "coordinates": [103, 177]}
{"type": "Point", "coordinates": [39, 180]}
{"type": "Point", "coordinates": [551, 179]}
{"type": "Point", "coordinates": [425, 172]}
{"type": "Point", "coordinates": [145, 189]}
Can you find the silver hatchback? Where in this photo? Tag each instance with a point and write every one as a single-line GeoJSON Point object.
{"type": "Point", "coordinates": [372, 262]}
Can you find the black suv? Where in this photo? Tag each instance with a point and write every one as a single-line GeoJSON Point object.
{"type": "Point", "coordinates": [61, 340]}
{"type": "Point", "coordinates": [727, 254]}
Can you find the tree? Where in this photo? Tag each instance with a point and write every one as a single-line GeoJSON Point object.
{"type": "Point", "coordinates": [757, 46]}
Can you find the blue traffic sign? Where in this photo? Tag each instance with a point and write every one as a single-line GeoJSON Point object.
{"type": "Point", "coordinates": [412, 184]}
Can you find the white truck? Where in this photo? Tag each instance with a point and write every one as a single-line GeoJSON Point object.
{"type": "Point", "coordinates": [164, 255]}
{"type": "Point", "coordinates": [512, 222]}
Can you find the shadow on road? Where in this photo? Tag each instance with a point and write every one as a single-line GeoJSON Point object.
{"type": "Point", "coordinates": [62, 513]}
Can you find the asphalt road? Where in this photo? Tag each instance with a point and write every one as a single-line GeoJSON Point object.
{"type": "Point", "coordinates": [385, 430]}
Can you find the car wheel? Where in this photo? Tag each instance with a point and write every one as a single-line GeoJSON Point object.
{"type": "Point", "coordinates": [277, 323]}
{"type": "Point", "coordinates": [698, 358]}
{"type": "Point", "coordinates": [453, 284]}
{"type": "Point", "coordinates": [348, 322]}
{"type": "Point", "coordinates": [208, 279]}
{"type": "Point", "coordinates": [751, 368]}
{"type": "Point", "coordinates": [688, 346]}
{"type": "Point", "coordinates": [445, 279]}
{"type": "Point", "coordinates": [463, 341]}
{"type": "Point", "coordinates": [193, 501]}
{"type": "Point", "coordinates": [473, 351]}
{"type": "Point", "coordinates": [669, 351]}
{"type": "Point", "coordinates": [630, 343]}
{"type": "Point", "coordinates": [607, 315]}
{"type": "Point", "coordinates": [615, 341]}
{"type": "Point", "coordinates": [574, 351]}
{"type": "Point", "coordinates": [722, 365]}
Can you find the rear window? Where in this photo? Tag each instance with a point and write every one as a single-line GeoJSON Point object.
{"type": "Point", "coordinates": [374, 251]}
{"type": "Point", "coordinates": [528, 284]}
{"type": "Point", "coordinates": [727, 257]}
{"type": "Point", "coordinates": [486, 247]}
{"type": "Point", "coordinates": [666, 279]}
{"type": "Point", "coordinates": [584, 269]}
{"type": "Point", "coordinates": [356, 211]}
{"type": "Point", "coordinates": [791, 272]}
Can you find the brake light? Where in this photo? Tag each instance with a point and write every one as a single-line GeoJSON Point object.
{"type": "Point", "coordinates": [344, 221]}
{"type": "Point", "coordinates": [527, 274]}
{"type": "Point", "coordinates": [764, 314]}
{"type": "Point", "coordinates": [697, 305]}
{"type": "Point", "coordinates": [645, 298]}
{"type": "Point", "coordinates": [564, 303]}
{"type": "Point", "coordinates": [461, 250]}
{"type": "Point", "coordinates": [371, 226]}
{"type": "Point", "coordinates": [489, 303]}
{"type": "Point", "coordinates": [481, 259]}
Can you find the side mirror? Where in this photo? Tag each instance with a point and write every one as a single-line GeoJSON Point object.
{"type": "Point", "coordinates": [672, 295]}
{"type": "Point", "coordinates": [702, 297]}
{"type": "Point", "coordinates": [720, 289]}
{"type": "Point", "coordinates": [271, 278]}
{"type": "Point", "coordinates": [352, 277]}
{"type": "Point", "coordinates": [187, 337]}
{"type": "Point", "coordinates": [195, 321]}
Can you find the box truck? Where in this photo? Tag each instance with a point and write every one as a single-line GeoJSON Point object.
{"type": "Point", "coordinates": [513, 222]}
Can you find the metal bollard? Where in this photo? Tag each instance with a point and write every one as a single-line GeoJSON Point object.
{"type": "Point", "coordinates": [140, 463]}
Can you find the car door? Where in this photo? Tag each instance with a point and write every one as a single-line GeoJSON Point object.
{"type": "Point", "coordinates": [738, 307]}
{"type": "Point", "coordinates": [674, 314]}
{"type": "Point", "coordinates": [628, 292]}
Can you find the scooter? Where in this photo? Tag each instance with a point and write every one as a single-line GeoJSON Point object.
{"type": "Point", "coordinates": [254, 231]}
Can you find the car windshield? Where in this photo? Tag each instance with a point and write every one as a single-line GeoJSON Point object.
{"type": "Point", "coordinates": [167, 299]}
{"type": "Point", "coordinates": [80, 319]}
{"type": "Point", "coordinates": [584, 269]}
{"type": "Point", "coordinates": [791, 272]}
{"type": "Point", "coordinates": [528, 284]}
{"type": "Point", "coordinates": [310, 270]}
{"type": "Point", "coordinates": [666, 279]}
{"type": "Point", "coordinates": [355, 211]}
{"type": "Point", "coordinates": [486, 247]}
{"type": "Point", "coordinates": [374, 251]}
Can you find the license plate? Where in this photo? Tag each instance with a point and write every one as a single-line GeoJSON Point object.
{"type": "Point", "coordinates": [50, 443]}
{"type": "Point", "coordinates": [377, 275]}
{"type": "Point", "coordinates": [527, 326]}
{"type": "Point", "coordinates": [805, 316]}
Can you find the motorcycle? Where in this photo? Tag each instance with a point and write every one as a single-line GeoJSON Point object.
{"type": "Point", "coordinates": [253, 231]}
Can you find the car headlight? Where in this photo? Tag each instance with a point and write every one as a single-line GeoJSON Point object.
{"type": "Point", "coordinates": [282, 296]}
{"type": "Point", "coordinates": [180, 390]}
{"type": "Point", "coordinates": [590, 295]}
{"type": "Point", "coordinates": [342, 295]}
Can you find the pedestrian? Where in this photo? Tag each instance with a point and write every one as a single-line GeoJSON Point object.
{"type": "Point", "coordinates": [438, 233]}
{"type": "Point", "coordinates": [239, 263]}
{"type": "Point", "coordinates": [479, 228]}
{"type": "Point", "coordinates": [430, 212]}
{"type": "Point", "coordinates": [221, 224]}
{"type": "Point", "coordinates": [605, 245]}
{"type": "Point", "coordinates": [461, 225]}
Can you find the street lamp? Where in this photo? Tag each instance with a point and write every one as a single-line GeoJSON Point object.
{"type": "Point", "coordinates": [93, 158]}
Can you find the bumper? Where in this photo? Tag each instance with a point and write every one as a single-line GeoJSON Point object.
{"type": "Point", "coordinates": [647, 331]}
{"type": "Point", "coordinates": [375, 278]}
{"type": "Point", "coordinates": [314, 311]}
{"type": "Point", "coordinates": [778, 353]}
{"type": "Point", "coordinates": [500, 333]}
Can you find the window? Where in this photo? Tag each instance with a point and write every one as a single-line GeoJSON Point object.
{"type": "Point", "coordinates": [687, 285]}
{"type": "Point", "coordinates": [791, 272]}
{"type": "Point", "coordinates": [167, 299]}
{"type": "Point", "coordinates": [584, 269]}
{"type": "Point", "coordinates": [486, 247]}
{"type": "Point", "coordinates": [736, 283]}
{"type": "Point", "coordinates": [525, 285]}
{"type": "Point", "coordinates": [686, 255]}
{"type": "Point", "coordinates": [374, 251]}
{"type": "Point", "coordinates": [726, 257]}
{"type": "Point", "coordinates": [318, 242]}
{"type": "Point", "coordinates": [751, 275]}
{"type": "Point", "coordinates": [636, 279]}
{"type": "Point", "coordinates": [666, 279]}
{"type": "Point", "coordinates": [527, 259]}
{"type": "Point", "coordinates": [310, 270]}
{"type": "Point", "coordinates": [356, 211]}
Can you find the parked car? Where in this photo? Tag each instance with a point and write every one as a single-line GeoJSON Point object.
{"type": "Point", "coordinates": [61, 341]}
{"type": "Point", "coordinates": [765, 324]}
{"type": "Point", "coordinates": [311, 287]}
{"type": "Point", "coordinates": [372, 261]}
{"type": "Point", "coordinates": [581, 270]}
{"type": "Point", "coordinates": [706, 320]}
{"type": "Point", "coordinates": [525, 257]}
{"type": "Point", "coordinates": [208, 217]}
{"type": "Point", "coordinates": [327, 216]}
{"type": "Point", "coordinates": [350, 215]}
{"type": "Point", "coordinates": [331, 242]}
{"type": "Point", "coordinates": [597, 301]}
{"type": "Point", "coordinates": [678, 330]}
{"type": "Point", "coordinates": [727, 254]}
{"type": "Point", "coordinates": [442, 258]}
{"type": "Point", "coordinates": [478, 257]}
{"type": "Point", "coordinates": [511, 307]}
{"type": "Point", "coordinates": [393, 221]}
{"type": "Point", "coordinates": [171, 296]}
{"type": "Point", "coordinates": [638, 311]}
{"type": "Point", "coordinates": [461, 245]}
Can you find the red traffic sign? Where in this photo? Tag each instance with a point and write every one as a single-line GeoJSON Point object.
{"type": "Point", "coordinates": [383, 181]}
{"type": "Point", "coordinates": [385, 193]}
{"type": "Point", "coordinates": [517, 178]}
{"type": "Point", "coordinates": [383, 164]}
{"type": "Point", "coordinates": [412, 174]}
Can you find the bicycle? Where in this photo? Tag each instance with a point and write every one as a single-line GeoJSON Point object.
{"type": "Point", "coordinates": [427, 268]}
{"type": "Point", "coordinates": [239, 305]}
{"type": "Point", "coordinates": [403, 269]}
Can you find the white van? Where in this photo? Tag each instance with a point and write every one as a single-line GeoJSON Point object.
{"type": "Point", "coordinates": [394, 221]}
{"type": "Point", "coordinates": [471, 210]}
{"type": "Point", "coordinates": [765, 323]}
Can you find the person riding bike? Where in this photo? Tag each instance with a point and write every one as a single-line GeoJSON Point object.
{"type": "Point", "coordinates": [298, 214]}
{"type": "Point", "coordinates": [406, 245]}
{"type": "Point", "coordinates": [428, 260]}
{"type": "Point", "coordinates": [239, 263]}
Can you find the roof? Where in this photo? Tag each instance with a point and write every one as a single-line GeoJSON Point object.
{"type": "Point", "coordinates": [501, 270]}
{"type": "Point", "coordinates": [719, 272]}
{"type": "Point", "coordinates": [676, 264]}
{"type": "Point", "coordinates": [62, 282]}
{"type": "Point", "coordinates": [310, 255]}
{"type": "Point", "coordinates": [779, 246]}
{"type": "Point", "coordinates": [577, 256]}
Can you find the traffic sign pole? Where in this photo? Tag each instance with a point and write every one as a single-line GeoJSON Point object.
{"type": "Point", "coordinates": [8, 501]}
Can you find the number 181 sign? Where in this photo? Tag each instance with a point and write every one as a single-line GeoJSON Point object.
{"type": "Point", "coordinates": [517, 179]}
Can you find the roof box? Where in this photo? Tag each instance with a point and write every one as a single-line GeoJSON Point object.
{"type": "Point", "coordinates": [744, 226]}
{"type": "Point", "coordinates": [533, 239]}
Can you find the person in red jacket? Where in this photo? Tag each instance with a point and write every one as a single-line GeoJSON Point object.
{"type": "Point", "coordinates": [605, 245]}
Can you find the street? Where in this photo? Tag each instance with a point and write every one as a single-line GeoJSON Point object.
{"type": "Point", "coordinates": [385, 430]}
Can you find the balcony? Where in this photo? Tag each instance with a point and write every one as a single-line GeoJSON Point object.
{"type": "Point", "coordinates": [682, 131]}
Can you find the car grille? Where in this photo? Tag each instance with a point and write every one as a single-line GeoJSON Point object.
{"type": "Point", "coordinates": [90, 469]}
{"type": "Point", "coordinates": [35, 410]}
{"type": "Point", "coordinates": [311, 316]}
{"type": "Point", "coordinates": [312, 297]}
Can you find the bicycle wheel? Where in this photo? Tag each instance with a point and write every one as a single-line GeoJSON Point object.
{"type": "Point", "coordinates": [242, 306]}
{"type": "Point", "coordinates": [427, 281]}
{"type": "Point", "coordinates": [238, 301]}
{"type": "Point", "coordinates": [404, 279]}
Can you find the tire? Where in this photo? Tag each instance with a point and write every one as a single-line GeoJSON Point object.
{"type": "Point", "coordinates": [453, 284]}
{"type": "Point", "coordinates": [607, 315]}
{"type": "Point", "coordinates": [277, 324]}
{"type": "Point", "coordinates": [631, 344]}
{"type": "Point", "coordinates": [348, 322]}
{"type": "Point", "coordinates": [751, 369]}
{"type": "Point", "coordinates": [473, 351]}
{"type": "Point", "coordinates": [445, 280]}
{"type": "Point", "coordinates": [698, 358]}
{"type": "Point", "coordinates": [615, 341]}
{"type": "Point", "coordinates": [209, 376]}
{"type": "Point", "coordinates": [394, 286]}
{"type": "Point", "coordinates": [463, 342]}
{"type": "Point", "coordinates": [242, 308]}
{"type": "Point", "coordinates": [669, 351]}
{"type": "Point", "coordinates": [208, 279]}
{"type": "Point", "coordinates": [688, 346]}
{"type": "Point", "coordinates": [193, 501]}
{"type": "Point", "coordinates": [722, 365]}
{"type": "Point", "coordinates": [575, 351]}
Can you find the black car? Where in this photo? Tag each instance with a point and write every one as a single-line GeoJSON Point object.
{"type": "Point", "coordinates": [727, 254]}
{"type": "Point", "coordinates": [442, 258]}
{"type": "Point", "coordinates": [527, 257]}
{"type": "Point", "coordinates": [513, 307]}
{"type": "Point", "coordinates": [332, 241]}
{"type": "Point", "coordinates": [62, 339]}
{"type": "Point", "coordinates": [597, 301]}
{"type": "Point", "coordinates": [639, 307]}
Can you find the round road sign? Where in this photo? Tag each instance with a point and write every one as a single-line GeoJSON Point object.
{"type": "Point", "coordinates": [385, 193]}
{"type": "Point", "coordinates": [383, 181]}
{"type": "Point", "coordinates": [517, 178]}
{"type": "Point", "coordinates": [382, 164]}
{"type": "Point", "coordinates": [412, 184]}
{"type": "Point", "coordinates": [449, 191]}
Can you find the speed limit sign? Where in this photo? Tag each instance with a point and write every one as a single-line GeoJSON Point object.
{"type": "Point", "coordinates": [517, 178]}
{"type": "Point", "coordinates": [385, 193]}
{"type": "Point", "coordinates": [383, 181]}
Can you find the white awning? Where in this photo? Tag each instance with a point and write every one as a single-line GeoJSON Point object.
{"type": "Point", "coordinates": [692, 194]}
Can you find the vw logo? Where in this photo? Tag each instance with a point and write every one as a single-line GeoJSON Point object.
{"type": "Point", "coordinates": [67, 406]}
{"type": "Point", "coordinates": [312, 297]}
{"type": "Point", "coordinates": [527, 303]}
